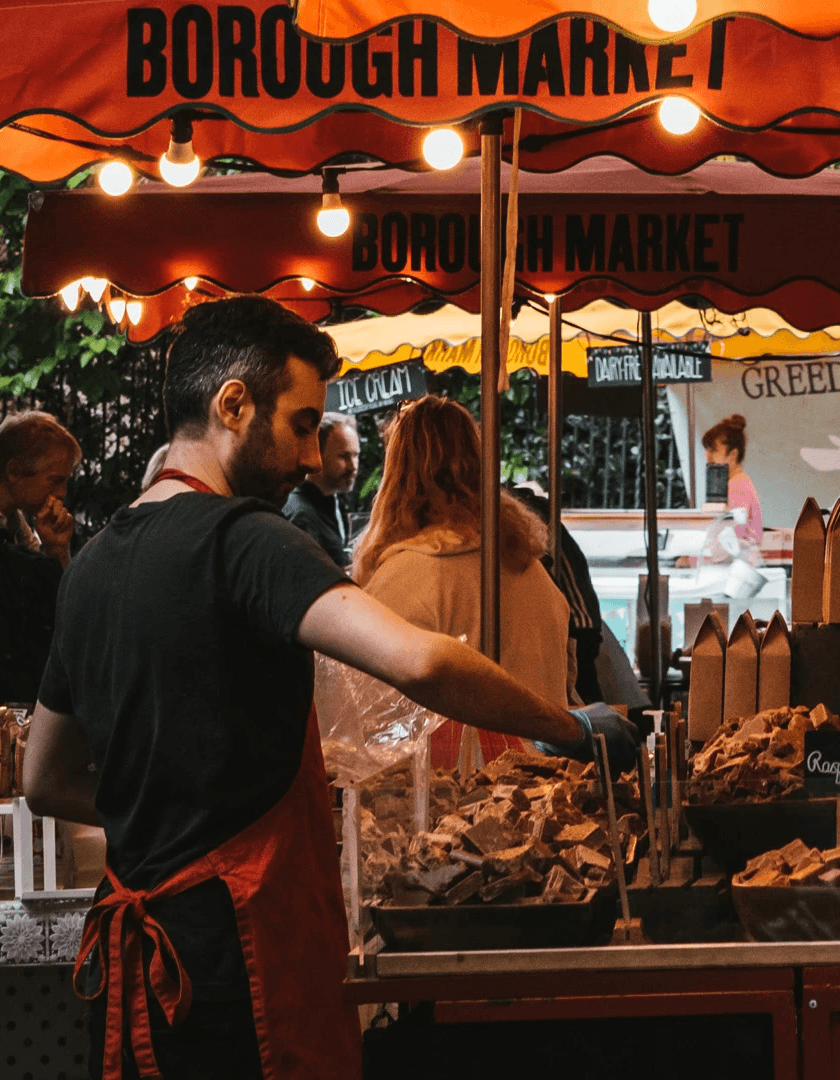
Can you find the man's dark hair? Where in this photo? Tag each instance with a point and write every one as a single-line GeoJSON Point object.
{"type": "Point", "coordinates": [242, 337]}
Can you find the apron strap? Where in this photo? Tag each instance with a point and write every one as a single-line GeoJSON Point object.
{"type": "Point", "coordinates": [184, 478]}
{"type": "Point", "coordinates": [115, 925]}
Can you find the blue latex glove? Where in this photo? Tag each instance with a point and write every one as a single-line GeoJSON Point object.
{"type": "Point", "coordinates": [621, 736]}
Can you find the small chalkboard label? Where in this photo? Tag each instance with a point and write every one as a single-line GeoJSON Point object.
{"type": "Point", "coordinates": [822, 762]}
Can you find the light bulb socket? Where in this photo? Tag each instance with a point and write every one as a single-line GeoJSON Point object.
{"type": "Point", "coordinates": [331, 200]}
{"type": "Point", "coordinates": [329, 185]}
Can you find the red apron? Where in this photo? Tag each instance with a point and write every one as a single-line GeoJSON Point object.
{"type": "Point", "coordinates": [282, 873]}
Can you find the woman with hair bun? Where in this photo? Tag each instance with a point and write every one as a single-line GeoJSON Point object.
{"type": "Point", "coordinates": [726, 444]}
{"type": "Point", "coordinates": [420, 556]}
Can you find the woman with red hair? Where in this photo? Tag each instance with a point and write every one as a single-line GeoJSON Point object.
{"type": "Point", "coordinates": [420, 555]}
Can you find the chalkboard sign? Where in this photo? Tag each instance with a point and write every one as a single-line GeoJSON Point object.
{"type": "Point", "coordinates": [380, 388]}
{"type": "Point", "coordinates": [822, 762]}
{"type": "Point", "coordinates": [622, 365]}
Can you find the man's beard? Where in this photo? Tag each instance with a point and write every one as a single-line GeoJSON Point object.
{"type": "Point", "coordinates": [253, 471]}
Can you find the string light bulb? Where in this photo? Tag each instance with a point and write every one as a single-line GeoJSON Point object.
{"type": "Point", "coordinates": [94, 287]}
{"type": "Point", "coordinates": [116, 309]}
{"type": "Point", "coordinates": [307, 283]}
{"type": "Point", "coordinates": [134, 311]}
{"type": "Point", "coordinates": [115, 178]}
{"type": "Point", "coordinates": [191, 282]}
{"type": "Point", "coordinates": [333, 219]}
{"type": "Point", "coordinates": [672, 15]}
{"type": "Point", "coordinates": [550, 297]}
{"type": "Point", "coordinates": [443, 148]}
{"type": "Point", "coordinates": [70, 295]}
{"type": "Point", "coordinates": [678, 115]}
{"type": "Point", "coordinates": [179, 166]}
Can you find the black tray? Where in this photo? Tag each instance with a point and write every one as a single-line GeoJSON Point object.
{"type": "Point", "coordinates": [733, 833]}
{"type": "Point", "coordinates": [800, 913]}
{"type": "Point", "coordinates": [498, 926]}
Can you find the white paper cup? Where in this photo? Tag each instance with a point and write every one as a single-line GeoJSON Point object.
{"type": "Point", "coordinates": [743, 581]}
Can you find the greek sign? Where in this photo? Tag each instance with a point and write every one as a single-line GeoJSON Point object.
{"type": "Point", "coordinates": [382, 388]}
{"type": "Point", "coordinates": [822, 762]}
{"type": "Point", "coordinates": [622, 365]}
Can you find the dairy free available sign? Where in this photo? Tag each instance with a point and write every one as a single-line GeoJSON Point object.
{"type": "Point", "coordinates": [822, 762]}
{"type": "Point", "coordinates": [622, 365]}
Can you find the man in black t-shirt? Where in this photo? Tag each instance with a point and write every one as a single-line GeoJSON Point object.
{"type": "Point", "coordinates": [182, 668]}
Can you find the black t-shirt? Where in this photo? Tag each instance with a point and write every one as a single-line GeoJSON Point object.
{"type": "Point", "coordinates": [174, 648]}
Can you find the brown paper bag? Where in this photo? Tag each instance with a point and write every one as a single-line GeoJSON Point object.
{"type": "Point", "coordinates": [705, 693]}
{"type": "Point", "coordinates": [741, 678]}
{"type": "Point", "coordinates": [806, 585]}
{"type": "Point", "coordinates": [774, 665]}
{"type": "Point", "coordinates": [831, 571]}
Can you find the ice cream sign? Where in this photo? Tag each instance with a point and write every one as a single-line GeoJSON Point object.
{"type": "Point", "coordinates": [381, 388]}
{"type": "Point", "coordinates": [622, 365]}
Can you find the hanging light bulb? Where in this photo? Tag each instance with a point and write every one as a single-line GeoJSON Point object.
{"type": "Point", "coordinates": [672, 15]}
{"type": "Point", "coordinates": [307, 283]}
{"type": "Point", "coordinates": [333, 219]}
{"type": "Point", "coordinates": [134, 311]}
{"type": "Point", "coordinates": [70, 295]}
{"type": "Point", "coordinates": [116, 309]}
{"type": "Point", "coordinates": [179, 166]}
{"type": "Point", "coordinates": [191, 282]}
{"type": "Point", "coordinates": [95, 287]}
{"type": "Point", "coordinates": [443, 148]}
{"type": "Point", "coordinates": [678, 115]}
{"type": "Point", "coordinates": [550, 297]}
{"type": "Point", "coordinates": [115, 178]}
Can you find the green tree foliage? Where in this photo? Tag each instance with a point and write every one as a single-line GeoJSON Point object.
{"type": "Point", "coordinates": [37, 336]}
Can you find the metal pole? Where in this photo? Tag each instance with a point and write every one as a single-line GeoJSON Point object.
{"type": "Point", "coordinates": [692, 456]}
{"type": "Point", "coordinates": [649, 449]}
{"type": "Point", "coordinates": [491, 298]}
{"type": "Point", "coordinates": [555, 433]}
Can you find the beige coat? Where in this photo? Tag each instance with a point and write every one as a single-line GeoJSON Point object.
{"type": "Point", "coordinates": [433, 581]}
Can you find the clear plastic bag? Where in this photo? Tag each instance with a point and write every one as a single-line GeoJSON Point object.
{"type": "Point", "coordinates": [366, 725]}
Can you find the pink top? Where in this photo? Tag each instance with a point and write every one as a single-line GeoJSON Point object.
{"type": "Point", "coordinates": [742, 493]}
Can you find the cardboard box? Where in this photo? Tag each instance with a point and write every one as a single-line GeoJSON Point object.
{"type": "Point", "coordinates": [740, 692]}
{"type": "Point", "coordinates": [815, 659]}
{"type": "Point", "coordinates": [774, 665]}
{"type": "Point", "coordinates": [705, 694]}
{"type": "Point", "coordinates": [806, 585]}
{"type": "Point", "coordinates": [694, 615]}
{"type": "Point", "coordinates": [831, 571]}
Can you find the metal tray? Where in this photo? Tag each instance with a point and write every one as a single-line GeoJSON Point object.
{"type": "Point", "coordinates": [733, 833]}
{"type": "Point", "coordinates": [498, 926]}
{"type": "Point", "coordinates": [791, 913]}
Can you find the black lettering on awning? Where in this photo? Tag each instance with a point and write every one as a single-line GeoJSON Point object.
{"type": "Point", "coordinates": [621, 245]}
{"type": "Point", "coordinates": [665, 78]}
{"type": "Point", "coordinates": [702, 242]}
{"type": "Point", "coordinates": [192, 24]}
{"type": "Point", "coordinates": [734, 221]}
{"type": "Point", "coordinates": [409, 51]}
{"type": "Point", "coordinates": [365, 250]}
{"type": "Point", "coordinates": [145, 68]}
{"type": "Point", "coordinates": [544, 63]}
{"type": "Point", "coordinates": [630, 56]}
{"type": "Point", "coordinates": [273, 84]}
{"type": "Point", "coordinates": [650, 241]}
{"type": "Point", "coordinates": [394, 243]}
{"type": "Point", "coordinates": [676, 241]}
{"type": "Point", "coordinates": [488, 61]}
{"type": "Point", "coordinates": [361, 61]}
{"type": "Point", "coordinates": [423, 236]}
{"type": "Point", "coordinates": [593, 49]}
{"type": "Point", "coordinates": [717, 54]}
{"type": "Point", "coordinates": [585, 247]}
{"type": "Point", "coordinates": [331, 85]}
{"type": "Point", "coordinates": [452, 243]}
{"type": "Point", "coordinates": [540, 243]}
{"type": "Point", "coordinates": [237, 41]}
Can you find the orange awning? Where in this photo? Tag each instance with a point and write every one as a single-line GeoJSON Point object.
{"type": "Point", "coordinates": [88, 79]}
{"type": "Point", "coordinates": [341, 20]}
{"type": "Point", "coordinates": [728, 233]}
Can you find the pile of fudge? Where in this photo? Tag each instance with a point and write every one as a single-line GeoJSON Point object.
{"type": "Point", "coordinates": [756, 758]}
{"type": "Point", "coordinates": [524, 829]}
{"type": "Point", "coordinates": [794, 864]}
